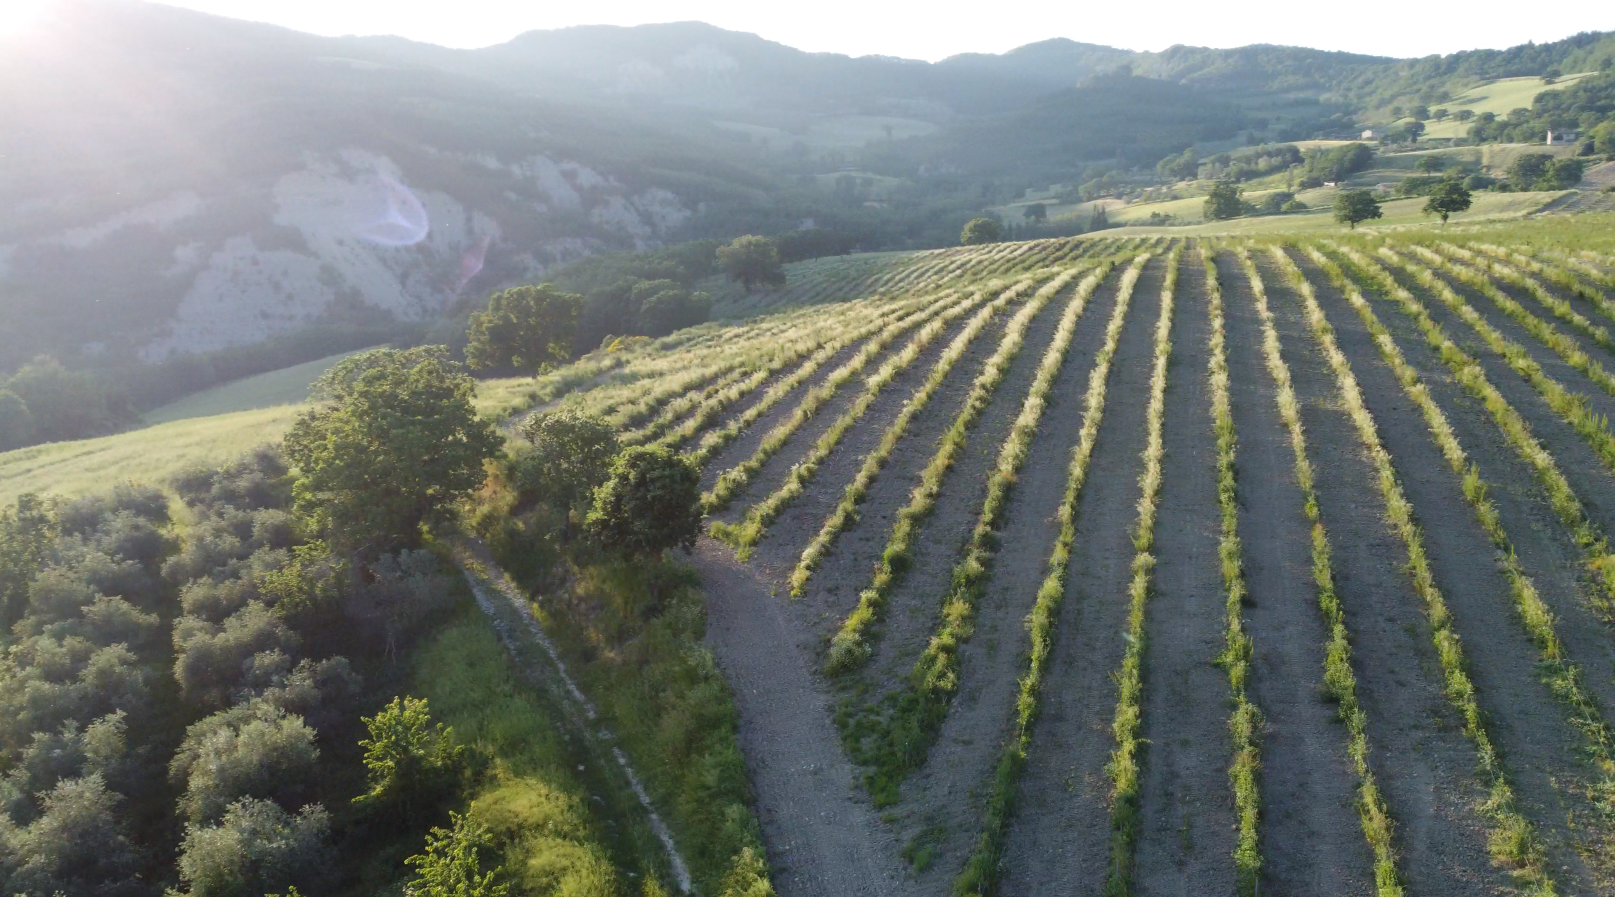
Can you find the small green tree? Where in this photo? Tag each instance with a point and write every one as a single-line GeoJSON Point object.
{"type": "Point", "coordinates": [524, 327]}
{"type": "Point", "coordinates": [650, 503]}
{"type": "Point", "coordinates": [1604, 138]}
{"type": "Point", "coordinates": [1036, 212]}
{"type": "Point", "coordinates": [396, 444]}
{"type": "Point", "coordinates": [1448, 198]}
{"type": "Point", "coordinates": [1100, 219]}
{"type": "Point", "coordinates": [752, 260]}
{"type": "Point", "coordinates": [16, 421]}
{"type": "Point", "coordinates": [1223, 202]}
{"type": "Point", "coordinates": [1354, 206]}
{"type": "Point", "coordinates": [981, 230]}
{"type": "Point", "coordinates": [572, 455]}
{"type": "Point", "coordinates": [1561, 174]}
{"type": "Point", "coordinates": [406, 755]}
{"type": "Point", "coordinates": [1527, 169]}
{"type": "Point", "coordinates": [452, 863]}
{"type": "Point", "coordinates": [1430, 164]}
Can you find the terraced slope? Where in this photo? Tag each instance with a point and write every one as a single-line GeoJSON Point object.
{"type": "Point", "coordinates": [1164, 567]}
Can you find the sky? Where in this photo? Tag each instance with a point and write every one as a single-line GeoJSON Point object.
{"type": "Point", "coordinates": [937, 29]}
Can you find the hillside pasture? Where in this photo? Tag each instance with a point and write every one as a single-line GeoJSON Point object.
{"type": "Point", "coordinates": [1499, 97]}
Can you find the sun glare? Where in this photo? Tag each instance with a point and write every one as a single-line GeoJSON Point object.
{"type": "Point", "coordinates": [17, 15]}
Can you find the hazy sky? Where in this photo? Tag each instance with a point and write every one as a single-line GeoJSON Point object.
{"type": "Point", "coordinates": [934, 30]}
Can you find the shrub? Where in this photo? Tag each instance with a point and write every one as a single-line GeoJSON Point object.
{"type": "Point", "coordinates": [407, 756]}
{"type": "Point", "coordinates": [257, 847]}
{"type": "Point", "coordinates": [251, 750]}
{"type": "Point", "coordinates": [526, 328]}
{"type": "Point", "coordinates": [210, 659]}
{"type": "Point", "coordinates": [978, 231]}
{"type": "Point", "coordinates": [751, 260]}
{"type": "Point", "coordinates": [650, 503]}
{"type": "Point", "coordinates": [77, 847]}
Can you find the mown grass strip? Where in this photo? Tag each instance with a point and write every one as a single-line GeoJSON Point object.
{"type": "Point", "coordinates": [980, 873]}
{"type": "Point", "coordinates": [1126, 759]}
{"type": "Point", "coordinates": [1245, 719]}
{"type": "Point", "coordinates": [1545, 333]}
{"type": "Point", "coordinates": [847, 509]}
{"type": "Point", "coordinates": [749, 531]}
{"type": "Point", "coordinates": [1562, 677]}
{"type": "Point", "coordinates": [1570, 407]}
{"type": "Point", "coordinates": [1340, 681]}
{"type": "Point", "coordinates": [904, 736]}
{"type": "Point", "coordinates": [736, 478]}
{"type": "Point", "coordinates": [851, 644]}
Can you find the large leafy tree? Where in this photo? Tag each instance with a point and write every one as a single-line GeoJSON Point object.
{"type": "Point", "coordinates": [524, 327]}
{"type": "Point", "coordinates": [752, 260]}
{"type": "Point", "coordinates": [397, 440]}
{"type": "Point", "coordinates": [1448, 198]}
{"type": "Point", "coordinates": [1223, 202]}
{"type": "Point", "coordinates": [651, 502]}
{"type": "Point", "coordinates": [572, 455]}
{"type": "Point", "coordinates": [1354, 206]}
{"type": "Point", "coordinates": [981, 230]}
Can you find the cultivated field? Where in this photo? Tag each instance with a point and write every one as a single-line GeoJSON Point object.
{"type": "Point", "coordinates": [1141, 565]}
{"type": "Point", "coordinates": [1167, 566]}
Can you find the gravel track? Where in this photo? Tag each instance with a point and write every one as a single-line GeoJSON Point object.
{"type": "Point", "coordinates": [824, 839]}
{"type": "Point", "coordinates": [1058, 841]}
{"type": "Point", "coordinates": [948, 792]}
{"type": "Point", "coordinates": [1421, 758]}
{"type": "Point", "coordinates": [1312, 842]}
{"type": "Point", "coordinates": [1186, 840]}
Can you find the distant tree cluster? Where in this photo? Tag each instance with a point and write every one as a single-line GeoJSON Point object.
{"type": "Point", "coordinates": [45, 402]}
{"type": "Point", "coordinates": [1586, 107]}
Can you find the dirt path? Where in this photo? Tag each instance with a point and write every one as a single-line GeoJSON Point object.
{"type": "Point", "coordinates": [1420, 757]}
{"type": "Point", "coordinates": [944, 800]}
{"type": "Point", "coordinates": [824, 840]}
{"type": "Point", "coordinates": [1058, 841]}
{"type": "Point", "coordinates": [1311, 840]}
{"type": "Point", "coordinates": [1186, 843]}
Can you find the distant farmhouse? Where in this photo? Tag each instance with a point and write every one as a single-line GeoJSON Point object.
{"type": "Point", "coordinates": [1559, 138]}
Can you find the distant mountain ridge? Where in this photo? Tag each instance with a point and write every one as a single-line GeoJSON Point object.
{"type": "Point", "coordinates": [177, 183]}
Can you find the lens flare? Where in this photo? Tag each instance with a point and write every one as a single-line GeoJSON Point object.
{"type": "Point", "coordinates": [390, 215]}
{"type": "Point", "coordinates": [471, 262]}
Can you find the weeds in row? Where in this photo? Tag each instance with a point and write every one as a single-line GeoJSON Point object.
{"type": "Point", "coordinates": [1245, 719]}
{"type": "Point", "coordinates": [1340, 681]}
{"type": "Point", "coordinates": [1568, 277]}
{"type": "Point", "coordinates": [1568, 405]}
{"type": "Point", "coordinates": [736, 478]}
{"type": "Point", "coordinates": [903, 738]}
{"type": "Point", "coordinates": [1126, 760]}
{"type": "Point", "coordinates": [1559, 307]}
{"type": "Point", "coordinates": [715, 440]}
{"type": "Point", "coordinates": [1562, 676]}
{"type": "Point", "coordinates": [1545, 333]}
{"type": "Point", "coordinates": [850, 646]}
{"type": "Point", "coordinates": [750, 530]}
{"type": "Point", "coordinates": [980, 873]}
{"type": "Point", "coordinates": [847, 509]}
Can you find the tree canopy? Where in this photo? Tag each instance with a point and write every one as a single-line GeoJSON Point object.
{"type": "Point", "coordinates": [1448, 198]}
{"type": "Point", "coordinates": [1223, 202]}
{"type": "Point", "coordinates": [650, 503]}
{"type": "Point", "coordinates": [1354, 206]}
{"type": "Point", "coordinates": [524, 327]}
{"type": "Point", "coordinates": [397, 441]}
{"type": "Point", "coordinates": [752, 260]}
{"type": "Point", "coordinates": [981, 230]}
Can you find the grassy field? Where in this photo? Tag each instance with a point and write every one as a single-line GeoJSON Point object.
{"type": "Point", "coordinates": [287, 386]}
{"type": "Point", "coordinates": [227, 423]}
{"type": "Point", "coordinates": [1501, 97]}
